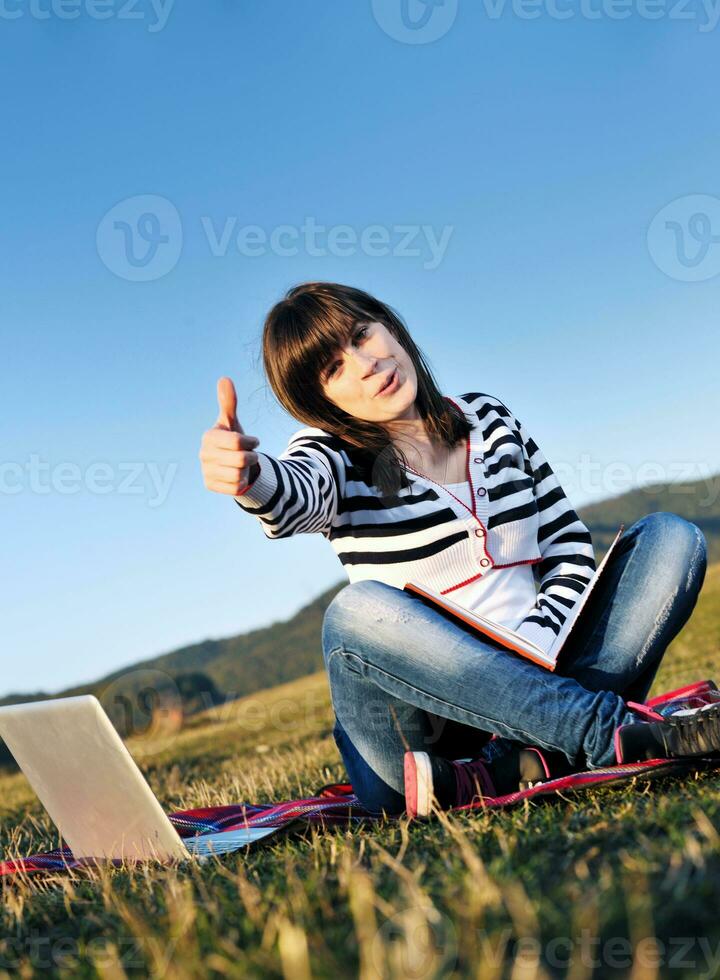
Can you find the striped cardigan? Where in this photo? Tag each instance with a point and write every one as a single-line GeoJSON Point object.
{"type": "Point", "coordinates": [423, 532]}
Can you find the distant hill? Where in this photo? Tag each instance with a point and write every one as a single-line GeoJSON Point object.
{"type": "Point", "coordinates": [236, 666]}
{"type": "Point", "coordinates": [698, 501]}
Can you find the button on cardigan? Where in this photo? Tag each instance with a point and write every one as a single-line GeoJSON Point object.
{"type": "Point", "coordinates": [503, 595]}
{"type": "Point", "coordinates": [520, 514]}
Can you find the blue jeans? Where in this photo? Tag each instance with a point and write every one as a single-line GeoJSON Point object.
{"type": "Point", "coordinates": [403, 676]}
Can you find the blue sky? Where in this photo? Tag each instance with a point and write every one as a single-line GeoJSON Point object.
{"type": "Point", "coordinates": [566, 170]}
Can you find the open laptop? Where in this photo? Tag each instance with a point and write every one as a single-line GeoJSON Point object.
{"type": "Point", "coordinates": [95, 794]}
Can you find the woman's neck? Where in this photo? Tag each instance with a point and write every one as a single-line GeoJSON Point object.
{"type": "Point", "coordinates": [411, 436]}
{"type": "Point", "coordinates": [421, 452]}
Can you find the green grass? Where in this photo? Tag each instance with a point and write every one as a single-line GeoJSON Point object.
{"type": "Point", "coordinates": [577, 887]}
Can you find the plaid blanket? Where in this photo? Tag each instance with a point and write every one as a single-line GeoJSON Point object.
{"type": "Point", "coordinates": [335, 803]}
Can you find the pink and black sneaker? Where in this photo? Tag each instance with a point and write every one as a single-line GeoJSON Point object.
{"type": "Point", "coordinates": [686, 728]}
{"type": "Point", "coordinates": [431, 780]}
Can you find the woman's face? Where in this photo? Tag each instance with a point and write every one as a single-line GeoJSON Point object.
{"type": "Point", "coordinates": [353, 377]}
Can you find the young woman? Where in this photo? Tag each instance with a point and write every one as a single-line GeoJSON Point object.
{"type": "Point", "coordinates": [409, 484]}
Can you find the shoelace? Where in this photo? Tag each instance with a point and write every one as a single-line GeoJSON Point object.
{"type": "Point", "coordinates": [472, 780]}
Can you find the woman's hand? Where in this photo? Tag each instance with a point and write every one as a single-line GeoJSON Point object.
{"type": "Point", "coordinates": [228, 463]}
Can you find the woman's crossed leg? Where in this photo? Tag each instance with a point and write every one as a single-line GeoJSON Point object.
{"type": "Point", "coordinates": [403, 676]}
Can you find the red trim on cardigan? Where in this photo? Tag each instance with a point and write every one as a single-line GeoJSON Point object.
{"type": "Point", "coordinates": [472, 498]}
{"type": "Point", "coordinates": [492, 563]}
{"type": "Point", "coordinates": [525, 561]}
{"type": "Point", "coordinates": [467, 464]}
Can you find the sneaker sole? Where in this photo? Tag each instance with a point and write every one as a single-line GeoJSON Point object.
{"type": "Point", "coordinates": [712, 708]}
{"type": "Point", "coordinates": [708, 709]}
{"type": "Point", "coordinates": [418, 784]}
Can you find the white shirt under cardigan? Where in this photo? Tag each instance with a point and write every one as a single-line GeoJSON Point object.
{"type": "Point", "coordinates": [503, 595]}
{"type": "Point", "coordinates": [516, 518]}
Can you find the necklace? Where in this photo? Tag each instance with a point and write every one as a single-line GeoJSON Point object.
{"type": "Point", "coordinates": [447, 460]}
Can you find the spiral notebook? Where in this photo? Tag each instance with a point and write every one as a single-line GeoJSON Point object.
{"type": "Point", "coordinates": [507, 637]}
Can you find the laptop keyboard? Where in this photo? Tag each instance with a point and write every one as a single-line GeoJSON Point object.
{"type": "Point", "coordinates": [224, 842]}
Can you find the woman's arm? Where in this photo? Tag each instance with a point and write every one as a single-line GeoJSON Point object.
{"type": "Point", "coordinates": [298, 491]}
{"type": "Point", "coordinates": [568, 558]}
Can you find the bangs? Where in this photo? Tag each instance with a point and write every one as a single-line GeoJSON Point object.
{"type": "Point", "coordinates": [313, 332]}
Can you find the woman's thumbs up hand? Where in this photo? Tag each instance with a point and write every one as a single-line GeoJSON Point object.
{"type": "Point", "coordinates": [229, 464]}
{"type": "Point", "coordinates": [227, 401]}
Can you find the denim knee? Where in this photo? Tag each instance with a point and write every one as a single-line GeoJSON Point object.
{"type": "Point", "coordinates": [679, 529]}
{"type": "Point", "coordinates": [332, 630]}
{"type": "Point", "coordinates": [678, 536]}
{"type": "Point", "coordinates": [343, 609]}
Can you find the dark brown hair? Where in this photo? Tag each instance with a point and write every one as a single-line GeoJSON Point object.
{"type": "Point", "coordinates": [303, 331]}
